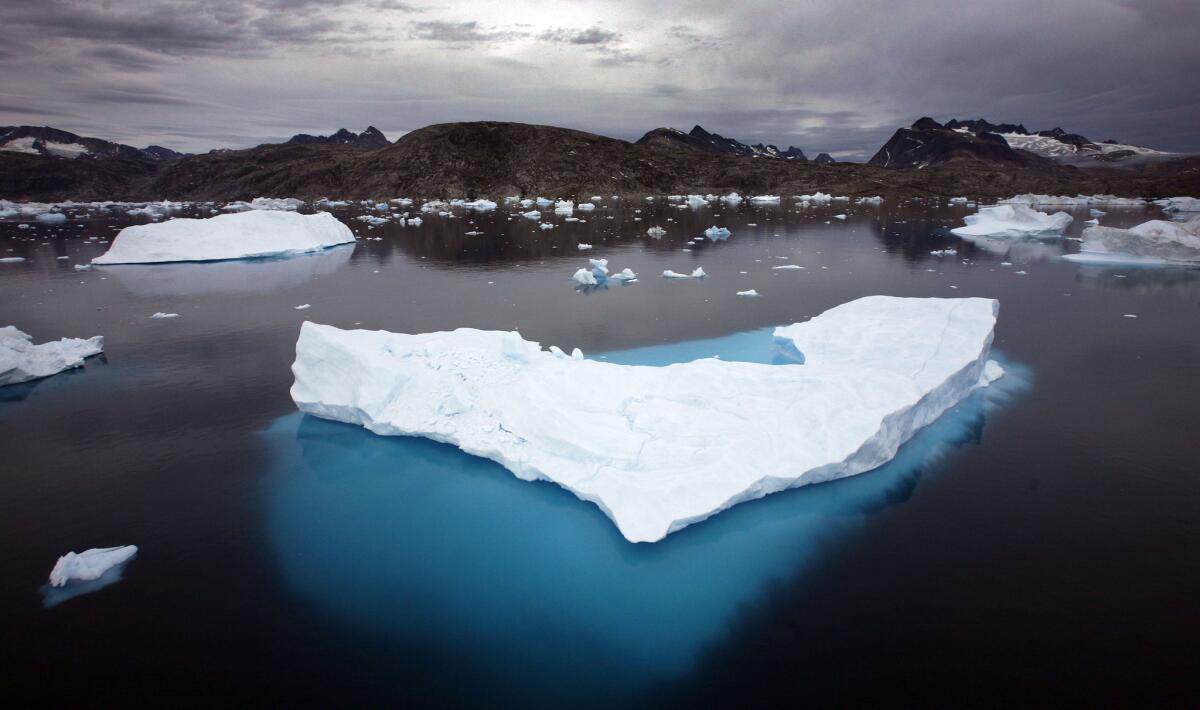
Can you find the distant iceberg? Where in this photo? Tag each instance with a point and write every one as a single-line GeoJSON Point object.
{"type": "Point", "coordinates": [765, 199]}
{"type": "Point", "coordinates": [660, 448]}
{"type": "Point", "coordinates": [715, 233]}
{"type": "Point", "coordinates": [532, 214]}
{"type": "Point", "coordinates": [257, 233]}
{"type": "Point", "coordinates": [289, 204]}
{"type": "Point", "coordinates": [480, 205]}
{"type": "Point", "coordinates": [1077, 201]}
{"type": "Point", "coordinates": [698, 273]}
{"type": "Point", "coordinates": [89, 564]}
{"type": "Point", "coordinates": [656, 232]}
{"type": "Point", "coordinates": [1014, 220]}
{"type": "Point", "coordinates": [1153, 243]}
{"type": "Point", "coordinates": [1179, 204]}
{"type": "Point", "coordinates": [22, 361]}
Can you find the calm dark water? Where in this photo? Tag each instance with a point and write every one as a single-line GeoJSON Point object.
{"type": "Point", "coordinates": [1037, 545]}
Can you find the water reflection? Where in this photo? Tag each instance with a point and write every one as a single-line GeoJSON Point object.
{"type": "Point", "coordinates": [419, 541]}
{"type": "Point", "coordinates": [233, 276]}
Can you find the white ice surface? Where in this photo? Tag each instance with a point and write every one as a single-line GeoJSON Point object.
{"type": "Point", "coordinates": [242, 235]}
{"type": "Point", "coordinates": [660, 448]}
{"type": "Point", "coordinates": [21, 360]}
{"type": "Point", "coordinates": [1013, 220]}
{"type": "Point", "coordinates": [89, 564]}
{"type": "Point", "coordinates": [1156, 242]}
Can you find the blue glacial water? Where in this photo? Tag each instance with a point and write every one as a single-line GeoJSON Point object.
{"type": "Point", "coordinates": [533, 589]}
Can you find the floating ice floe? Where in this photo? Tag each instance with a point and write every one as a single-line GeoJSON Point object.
{"type": "Point", "coordinates": [1179, 204]}
{"type": "Point", "coordinates": [839, 216]}
{"type": "Point", "coordinates": [372, 219]}
{"type": "Point", "coordinates": [586, 277]}
{"type": "Point", "coordinates": [731, 199]}
{"type": "Point", "coordinates": [764, 199]}
{"type": "Point", "coordinates": [787, 267]}
{"type": "Point", "coordinates": [532, 214]}
{"type": "Point", "coordinates": [698, 273]}
{"type": "Point", "coordinates": [22, 361]}
{"type": "Point", "coordinates": [943, 252]}
{"type": "Point", "coordinates": [714, 233]}
{"type": "Point", "coordinates": [90, 564]}
{"type": "Point", "coordinates": [583, 247]}
{"type": "Point", "coordinates": [51, 217]}
{"type": "Point", "coordinates": [431, 206]}
{"type": "Point", "coordinates": [287, 204]}
{"type": "Point", "coordinates": [244, 235]}
{"type": "Point", "coordinates": [11, 259]}
{"type": "Point", "coordinates": [585, 206]}
{"type": "Point", "coordinates": [1077, 201]}
{"type": "Point", "coordinates": [546, 225]}
{"type": "Point", "coordinates": [660, 448]}
{"type": "Point", "coordinates": [1013, 220]}
{"type": "Point", "coordinates": [1153, 243]}
{"type": "Point", "coordinates": [161, 314]}
{"type": "Point", "coordinates": [564, 207]}
{"type": "Point", "coordinates": [876, 200]}
{"type": "Point", "coordinates": [818, 197]}
{"type": "Point", "coordinates": [625, 275]}
{"type": "Point", "coordinates": [480, 204]}
{"type": "Point", "coordinates": [751, 293]}
{"type": "Point", "coordinates": [656, 232]}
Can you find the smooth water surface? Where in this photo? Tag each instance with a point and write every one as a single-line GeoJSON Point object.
{"type": "Point", "coordinates": [1036, 544]}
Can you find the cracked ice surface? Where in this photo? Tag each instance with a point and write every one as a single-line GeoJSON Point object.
{"type": "Point", "coordinates": [660, 448]}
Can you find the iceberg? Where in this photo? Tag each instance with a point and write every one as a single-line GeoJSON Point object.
{"type": "Point", "coordinates": [51, 218]}
{"type": "Point", "coordinates": [625, 275]}
{"type": "Point", "coordinates": [697, 274]}
{"type": "Point", "coordinates": [815, 197]}
{"type": "Point", "coordinates": [89, 564]}
{"type": "Point", "coordinates": [714, 233]}
{"type": "Point", "coordinates": [564, 207]}
{"type": "Point", "coordinates": [656, 232]}
{"type": "Point", "coordinates": [288, 204]}
{"type": "Point", "coordinates": [1179, 204]}
{"type": "Point", "coordinates": [21, 360]}
{"type": "Point", "coordinates": [532, 214]}
{"type": "Point", "coordinates": [480, 204]}
{"type": "Point", "coordinates": [1077, 201]}
{"type": "Point", "coordinates": [1153, 243]}
{"type": "Point", "coordinates": [660, 448]}
{"type": "Point", "coordinates": [751, 293]}
{"type": "Point", "coordinates": [1013, 220]}
{"type": "Point", "coordinates": [765, 199]}
{"type": "Point", "coordinates": [732, 199]}
{"type": "Point", "coordinates": [243, 235]}
{"type": "Point", "coordinates": [585, 277]}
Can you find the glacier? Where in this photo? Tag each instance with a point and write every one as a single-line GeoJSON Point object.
{"type": "Point", "coordinates": [1013, 220]}
{"type": "Point", "coordinates": [22, 361]}
{"type": "Point", "coordinates": [1153, 243]}
{"type": "Point", "coordinates": [660, 448]}
{"type": "Point", "coordinates": [241, 235]}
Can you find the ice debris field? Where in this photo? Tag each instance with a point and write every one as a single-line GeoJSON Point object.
{"type": "Point", "coordinates": [660, 448]}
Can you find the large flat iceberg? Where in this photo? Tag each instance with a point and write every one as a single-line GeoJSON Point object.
{"type": "Point", "coordinates": [1152, 243]}
{"type": "Point", "coordinates": [242, 235]}
{"type": "Point", "coordinates": [90, 564]}
{"type": "Point", "coordinates": [21, 360]}
{"type": "Point", "coordinates": [1015, 220]}
{"type": "Point", "coordinates": [660, 448]}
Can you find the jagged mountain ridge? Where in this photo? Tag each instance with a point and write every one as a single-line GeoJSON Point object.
{"type": "Point", "coordinates": [494, 159]}
{"type": "Point", "coordinates": [370, 139]}
{"type": "Point", "coordinates": [927, 142]}
{"type": "Point", "coordinates": [54, 142]}
{"type": "Point", "coordinates": [703, 141]}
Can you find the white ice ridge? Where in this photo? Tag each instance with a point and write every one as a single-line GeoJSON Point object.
{"type": "Point", "coordinates": [242, 235]}
{"type": "Point", "coordinates": [1152, 243]}
{"type": "Point", "coordinates": [89, 564]}
{"type": "Point", "coordinates": [21, 360]}
{"type": "Point", "coordinates": [660, 448]}
{"type": "Point", "coordinates": [1016, 220]}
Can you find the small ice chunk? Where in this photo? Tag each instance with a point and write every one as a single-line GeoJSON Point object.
{"type": "Point", "coordinates": [302, 306]}
{"type": "Point", "coordinates": [21, 360]}
{"type": "Point", "coordinates": [583, 247]}
{"type": "Point", "coordinates": [656, 232]}
{"type": "Point", "coordinates": [161, 314]}
{"type": "Point", "coordinates": [90, 564]}
{"type": "Point", "coordinates": [751, 293]}
{"type": "Point", "coordinates": [714, 233]}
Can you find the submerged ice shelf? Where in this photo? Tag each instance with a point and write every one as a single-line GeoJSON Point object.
{"type": "Point", "coordinates": [660, 448]}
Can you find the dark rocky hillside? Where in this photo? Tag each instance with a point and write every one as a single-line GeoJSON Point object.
{"type": "Point", "coordinates": [496, 159]}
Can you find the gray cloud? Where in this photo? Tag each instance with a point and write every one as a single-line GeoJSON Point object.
{"type": "Point", "coordinates": [826, 75]}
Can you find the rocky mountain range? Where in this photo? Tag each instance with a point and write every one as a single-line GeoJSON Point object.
{"type": "Point", "coordinates": [927, 142]}
{"type": "Point", "coordinates": [370, 139]}
{"type": "Point", "coordinates": [702, 141]}
{"type": "Point", "coordinates": [46, 141]}
{"type": "Point", "coordinates": [493, 159]}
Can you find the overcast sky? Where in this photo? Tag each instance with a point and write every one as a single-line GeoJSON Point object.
{"type": "Point", "coordinates": [825, 75]}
